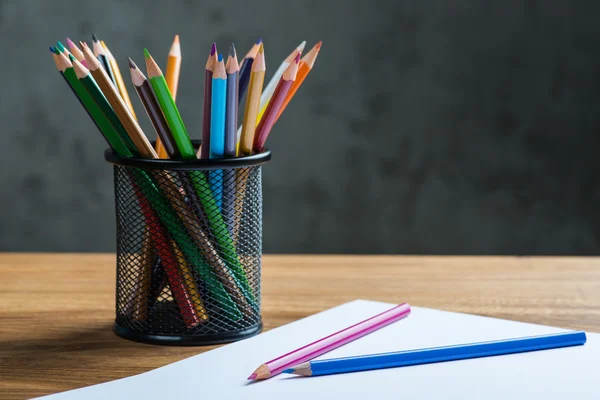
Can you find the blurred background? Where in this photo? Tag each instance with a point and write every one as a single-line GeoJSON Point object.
{"type": "Point", "coordinates": [425, 127]}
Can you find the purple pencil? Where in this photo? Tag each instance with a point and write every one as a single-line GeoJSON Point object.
{"type": "Point", "coordinates": [322, 346]}
{"type": "Point", "coordinates": [204, 150]}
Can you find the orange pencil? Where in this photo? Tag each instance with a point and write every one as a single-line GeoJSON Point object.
{"type": "Point", "coordinates": [172, 78]}
{"type": "Point", "coordinates": [306, 64]}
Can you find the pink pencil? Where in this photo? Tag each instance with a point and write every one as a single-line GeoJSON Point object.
{"type": "Point", "coordinates": [322, 346]}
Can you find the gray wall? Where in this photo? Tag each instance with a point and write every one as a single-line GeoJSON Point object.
{"type": "Point", "coordinates": [426, 126]}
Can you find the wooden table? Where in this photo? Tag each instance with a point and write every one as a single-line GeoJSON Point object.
{"type": "Point", "coordinates": [57, 310]}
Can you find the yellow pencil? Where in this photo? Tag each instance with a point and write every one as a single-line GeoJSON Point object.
{"type": "Point", "coordinates": [257, 78]}
{"type": "Point", "coordinates": [119, 78]}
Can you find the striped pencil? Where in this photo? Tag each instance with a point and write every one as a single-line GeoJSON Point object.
{"type": "Point", "coordinates": [246, 69]}
{"type": "Point", "coordinates": [270, 87]}
{"type": "Point", "coordinates": [328, 343]}
{"type": "Point", "coordinates": [204, 150]}
{"type": "Point", "coordinates": [266, 123]}
{"type": "Point", "coordinates": [304, 67]}
{"type": "Point", "coordinates": [257, 78]}
{"type": "Point", "coordinates": [438, 354]}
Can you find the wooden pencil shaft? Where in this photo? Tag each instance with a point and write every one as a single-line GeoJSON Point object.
{"type": "Point", "coordinates": [251, 112]}
{"type": "Point", "coordinates": [157, 119]}
{"type": "Point", "coordinates": [190, 283]}
{"type": "Point", "coordinates": [206, 112]}
{"type": "Point", "coordinates": [231, 115]}
{"type": "Point", "coordinates": [108, 69]}
{"type": "Point", "coordinates": [117, 136]}
{"type": "Point", "coordinates": [120, 83]}
{"type": "Point", "coordinates": [114, 98]}
{"type": "Point", "coordinates": [266, 123]}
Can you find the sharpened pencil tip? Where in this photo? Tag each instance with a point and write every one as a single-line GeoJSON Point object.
{"type": "Point", "coordinates": [220, 58]}
{"type": "Point", "coordinates": [213, 49]}
{"type": "Point", "coordinates": [52, 49]}
{"type": "Point", "coordinates": [60, 46]}
{"type": "Point", "coordinates": [176, 40]}
{"type": "Point", "coordinates": [94, 37]}
{"type": "Point", "coordinates": [261, 48]}
{"type": "Point", "coordinates": [131, 63]}
{"type": "Point", "coordinates": [70, 43]}
{"type": "Point", "coordinates": [252, 377]}
{"type": "Point", "coordinates": [146, 54]}
{"type": "Point", "coordinates": [72, 57]}
{"type": "Point", "coordinates": [318, 45]}
{"type": "Point", "coordinates": [297, 58]}
{"type": "Point", "coordinates": [289, 371]}
{"type": "Point", "coordinates": [232, 50]}
{"type": "Point", "coordinates": [259, 41]}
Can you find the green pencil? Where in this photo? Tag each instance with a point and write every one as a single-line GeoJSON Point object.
{"type": "Point", "coordinates": [114, 139]}
{"type": "Point", "coordinates": [169, 109]}
{"type": "Point", "coordinates": [86, 79]}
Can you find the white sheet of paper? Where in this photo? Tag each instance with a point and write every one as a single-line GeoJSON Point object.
{"type": "Point", "coordinates": [567, 373]}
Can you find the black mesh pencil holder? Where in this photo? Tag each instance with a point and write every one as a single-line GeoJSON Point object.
{"type": "Point", "coordinates": [189, 243]}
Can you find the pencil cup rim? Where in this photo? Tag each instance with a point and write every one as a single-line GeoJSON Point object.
{"type": "Point", "coordinates": [187, 165]}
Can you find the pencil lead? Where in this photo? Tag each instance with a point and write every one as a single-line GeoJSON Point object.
{"type": "Point", "coordinates": [131, 63]}
{"type": "Point", "coordinates": [252, 377]}
{"type": "Point", "coordinates": [213, 49]}
{"type": "Point", "coordinates": [289, 371]}
{"type": "Point", "coordinates": [232, 52]}
{"type": "Point", "coordinates": [72, 57]}
{"type": "Point", "coordinates": [259, 41]}
{"type": "Point", "coordinates": [60, 46]}
{"type": "Point", "coordinates": [220, 57]}
{"type": "Point", "coordinates": [52, 49]}
{"type": "Point", "coordinates": [146, 54]}
{"type": "Point", "coordinates": [318, 45]}
{"type": "Point", "coordinates": [70, 43]}
{"type": "Point", "coordinates": [297, 58]}
{"type": "Point", "coordinates": [94, 37]}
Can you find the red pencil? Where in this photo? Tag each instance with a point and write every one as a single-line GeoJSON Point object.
{"type": "Point", "coordinates": [270, 116]}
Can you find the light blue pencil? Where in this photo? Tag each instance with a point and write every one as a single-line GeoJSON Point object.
{"type": "Point", "coordinates": [438, 354]}
{"type": "Point", "coordinates": [217, 126]}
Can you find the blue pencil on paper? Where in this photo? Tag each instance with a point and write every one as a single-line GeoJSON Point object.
{"type": "Point", "coordinates": [217, 127]}
{"type": "Point", "coordinates": [438, 354]}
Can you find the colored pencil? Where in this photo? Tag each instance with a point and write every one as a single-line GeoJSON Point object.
{"type": "Point", "coordinates": [153, 110]}
{"type": "Point", "coordinates": [218, 107]}
{"type": "Point", "coordinates": [304, 67]}
{"type": "Point", "coordinates": [232, 69]}
{"type": "Point", "coordinates": [257, 78]}
{"type": "Point", "coordinates": [113, 129]}
{"type": "Point", "coordinates": [169, 109]}
{"type": "Point", "coordinates": [438, 354]}
{"type": "Point", "coordinates": [119, 78]}
{"type": "Point", "coordinates": [204, 150]}
{"type": "Point", "coordinates": [270, 87]}
{"type": "Point", "coordinates": [190, 283]}
{"type": "Point", "coordinates": [65, 67]}
{"type": "Point", "coordinates": [131, 126]}
{"type": "Point", "coordinates": [62, 49]}
{"type": "Point", "coordinates": [246, 69]}
{"type": "Point", "coordinates": [266, 123]}
{"type": "Point", "coordinates": [100, 54]}
{"type": "Point", "coordinates": [217, 126]}
{"type": "Point", "coordinates": [328, 343]}
{"type": "Point", "coordinates": [172, 78]}
{"type": "Point", "coordinates": [76, 51]}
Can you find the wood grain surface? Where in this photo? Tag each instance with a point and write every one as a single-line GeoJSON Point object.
{"type": "Point", "coordinates": [57, 310]}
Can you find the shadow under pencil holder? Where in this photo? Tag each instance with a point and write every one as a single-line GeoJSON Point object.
{"type": "Point", "coordinates": [189, 244]}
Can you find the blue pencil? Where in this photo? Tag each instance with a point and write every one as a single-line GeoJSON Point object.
{"type": "Point", "coordinates": [437, 354]}
{"type": "Point", "coordinates": [217, 126]}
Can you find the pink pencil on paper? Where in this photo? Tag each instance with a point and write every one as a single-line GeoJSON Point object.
{"type": "Point", "coordinates": [328, 343]}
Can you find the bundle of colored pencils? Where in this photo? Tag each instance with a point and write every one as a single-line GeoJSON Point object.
{"type": "Point", "coordinates": [173, 221]}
